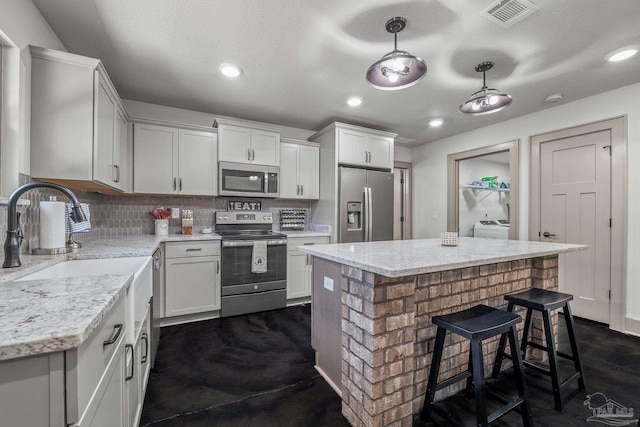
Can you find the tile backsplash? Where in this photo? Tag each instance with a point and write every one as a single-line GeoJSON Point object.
{"type": "Point", "coordinates": [128, 215]}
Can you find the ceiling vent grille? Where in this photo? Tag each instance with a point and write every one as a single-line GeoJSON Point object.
{"type": "Point", "coordinates": [509, 12]}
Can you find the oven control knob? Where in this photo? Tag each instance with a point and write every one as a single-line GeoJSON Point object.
{"type": "Point", "coordinates": [220, 218]}
{"type": "Point", "coordinates": [226, 217]}
{"type": "Point", "coordinates": [255, 287]}
{"type": "Point", "coordinates": [265, 217]}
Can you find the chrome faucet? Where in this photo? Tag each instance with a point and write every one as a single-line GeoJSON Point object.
{"type": "Point", "coordinates": [14, 230]}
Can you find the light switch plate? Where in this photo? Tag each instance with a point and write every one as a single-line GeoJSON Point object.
{"type": "Point", "coordinates": [328, 283]}
{"type": "Point", "coordinates": [175, 213]}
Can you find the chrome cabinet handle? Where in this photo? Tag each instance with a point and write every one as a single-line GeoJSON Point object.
{"type": "Point", "coordinates": [174, 183]}
{"type": "Point", "coordinates": [194, 249]}
{"type": "Point", "coordinates": [302, 189]}
{"type": "Point", "coordinates": [145, 337]}
{"type": "Point", "coordinates": [133, 361]}
{"type": "Point", "coordinates": [180, 184]}
{"type": "Point", "coordinates": [547, 234]}
{"type": "Point", "coordinates": [217, 266]}
{"type": "Point", "coordinates": [249, 154]}
{"type": "Point", "coordinates": [298, 190]}
{"type": "Point", "coordinates": [117, 173]}
{"type": "Point", "coordinates": [116, 333]}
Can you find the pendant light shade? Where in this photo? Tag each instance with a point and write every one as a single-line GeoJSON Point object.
{"type": "Point", "coordinates": [485, 101]}
{"type": "Point", "coordinates": [397, 69]}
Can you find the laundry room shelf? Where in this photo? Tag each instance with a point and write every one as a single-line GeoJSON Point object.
{"type": "Point", "coordinates": [486, 191]}
{"type": "Point", "coordinates": [477, 187]}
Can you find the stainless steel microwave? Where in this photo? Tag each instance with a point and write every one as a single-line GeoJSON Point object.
{"type": "Point", "coordinates": [243, 180]}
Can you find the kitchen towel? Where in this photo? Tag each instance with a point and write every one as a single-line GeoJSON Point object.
{"type": "Point", "coordinates": [52, 224]}
{"type": "Point", "coordinates": [259, 257]}
{"type": "Point", "coordinates": [78, 227]}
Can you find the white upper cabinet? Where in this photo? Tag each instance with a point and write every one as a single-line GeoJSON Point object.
{"type": "Point", "coordinates": [300, 171]}
{"type": "Point", "coordinates": [245, 144]}
{"type": "Point", "coordinates": [174, 161]}
{"type": "Point", "coordinates": [77, 119]}
{"type": "Point", "coordinates": [362, 148]}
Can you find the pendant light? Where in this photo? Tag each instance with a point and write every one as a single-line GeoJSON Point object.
{"type": "Point", "coordinates": [485, 101]}
{"type": "Point", "coordinates": [397, 69]}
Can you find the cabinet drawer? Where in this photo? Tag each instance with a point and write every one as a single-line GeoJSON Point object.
{"type": "Point", "coordinates": [293, 243]}
{"type": "Point", "coordinates": [87, 364]}
{"type": "Point", "coordinates": [192, 249]}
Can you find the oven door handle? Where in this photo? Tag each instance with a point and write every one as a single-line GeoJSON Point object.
{"type": "Point", "coordinates": [239, 243]}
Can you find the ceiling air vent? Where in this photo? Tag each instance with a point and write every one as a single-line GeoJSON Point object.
{"type": "Point", "coordinates": [508, 12]}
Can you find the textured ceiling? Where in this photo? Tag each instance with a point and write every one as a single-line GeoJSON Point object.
{"type": "Point", "coordinates": [302, 59]}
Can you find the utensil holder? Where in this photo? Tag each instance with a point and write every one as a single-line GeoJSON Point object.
{"type": "Point", "coordinates": [449, 238]}
{"type": "Point", "coordinates": [162, 227]}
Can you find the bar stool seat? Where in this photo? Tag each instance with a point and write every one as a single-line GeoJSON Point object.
{"type": "Point", "coordinates": [545, 301]}
{"type": "Point", "coordinates": [477, 324]}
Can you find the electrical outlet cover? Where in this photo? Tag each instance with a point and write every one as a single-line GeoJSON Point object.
{"type": "Point", "coordinates": [175, 213]}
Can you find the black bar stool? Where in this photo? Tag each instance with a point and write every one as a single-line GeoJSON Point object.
{"type": "Point", "coordinates": [545, 301]}
{"type": "Point", "coordinates": [477, 324]}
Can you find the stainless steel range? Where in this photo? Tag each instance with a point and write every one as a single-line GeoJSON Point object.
{"type": "Point", "coordinates": [254, 263]}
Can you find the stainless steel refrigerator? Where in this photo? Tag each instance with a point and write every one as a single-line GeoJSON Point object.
{"type": "Point", "coordinates": [366, 205]}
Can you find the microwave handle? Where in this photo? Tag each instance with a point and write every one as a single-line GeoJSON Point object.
{"type": "Point", "coordinates": [266, 182]}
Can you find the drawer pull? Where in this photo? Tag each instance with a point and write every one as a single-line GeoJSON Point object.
{"type": "Point", "coordinates": [194, 250]}
{"type": "Point", "coordinates": [145, 337]}
{"type": "Point", "coordinates": [305, 244]}
{"type": "Point", "coordinates": [133, 361]}
{"type": "Point", "coordinates": [116, 333]}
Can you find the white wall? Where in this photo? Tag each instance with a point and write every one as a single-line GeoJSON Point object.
{"type": "Point", "coordinates": [401, 154]}
{"type": "Point", "coordinates": [430, 165]}
{"type": "Point", "coordinates": [475, 205]}
{"type": "Point", "coordinates": [21, 24]}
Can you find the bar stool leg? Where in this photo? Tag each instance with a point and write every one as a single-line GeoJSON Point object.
{"type": "Point", "coordinates": [525, 333]}
{"type": "Point", "coordinates": [469, 393]}
{"type": "Point", "coordinates": [497, 365]}
{"type": "Point", "coordinates": [568, 317]}
{"type": "Point", "coordinates": [433, 374]}
{"type": "Point", "coordinates": [521, 383]}
{"type": "Point", "coordinates": [478, 380]}
{"type": "Point", "coordinates": [553, 359]}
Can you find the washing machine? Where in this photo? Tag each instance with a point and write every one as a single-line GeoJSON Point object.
{"type": "Point", "coordinates": [491, 229]}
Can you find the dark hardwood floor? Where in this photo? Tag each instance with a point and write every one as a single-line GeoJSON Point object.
{"type": "Point", "coordinates": [257, 370]}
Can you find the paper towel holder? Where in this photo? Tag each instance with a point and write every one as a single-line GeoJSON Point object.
{"type": "Point", "coordinates": [71, 244]}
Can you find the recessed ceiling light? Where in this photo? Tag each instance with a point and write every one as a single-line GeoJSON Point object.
{"type": "Point", "coordinates": [230, 70]}
{"type": "Point", "coordinates": [434, 123]}
{"type": "Point", "coordinates": [552, 99]}
{"type": "Point", "coordinates": [354, 101]}
{"type": "Point", "coordinates": [622, 54]}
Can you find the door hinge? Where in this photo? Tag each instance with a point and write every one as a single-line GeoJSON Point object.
{"type": "Point", "coordinates": [401, 219]}
{"type": "Point", "coordinates": [608, 147]}
{"type": "Point", "coordinates": [610, 222]}
{"type": "Point", "coordinates": [401, 180]}
{"type": "Point", "coordinates": [609, 293]}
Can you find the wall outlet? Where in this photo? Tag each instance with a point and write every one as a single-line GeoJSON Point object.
{"type": "Point", "coordinates": [175, 213]}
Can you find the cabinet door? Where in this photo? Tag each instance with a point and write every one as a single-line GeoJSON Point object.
{"type": "Point", "coordinates": [309, 172]}
{"type": "Point", "coordinates": [379, 149]}
{"type": "Point", "coordinates": [104, 122]}
{"type": "Point", "coordinates": [155, 154]}
{"type": "Point", "coordinates": [234, 144]}
{"type": "Point", "coordinates": [351, 147]}
{"type": "Point", "coordinates": [134, 398]}
{"type": "Point", "coordinates": [197, 163]}
{"type": "Point", "coordinates": [120, 161]}
{"type": "Point", "coordinates": [290, 170]}
{"type": "Point", "coordinates": [110, 410]}
{"type": "Point", "coordinates": [265, 147]}
{"type": "Point", "coordinates": [192, 285]}
{"type": "Point", "coordinates": [297, 275]}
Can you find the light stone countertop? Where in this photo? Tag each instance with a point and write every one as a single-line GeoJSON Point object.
{"type": "Point", "coordinates": [400, 258]}
{"type": "Point", "coordinates": [41, 316]}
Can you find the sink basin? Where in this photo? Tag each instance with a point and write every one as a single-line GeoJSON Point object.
{"type": "Point", "coordinates": [90, 267]}
{"type": "Point", "coordinates": [138, 295]}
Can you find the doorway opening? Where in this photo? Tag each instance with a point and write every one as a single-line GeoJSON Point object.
{"type": "Point", "coordinates": [579, 195]}
{"type": "Point", "coordinates": [482, 192]}
{"type": "Point", "coordinates": [402, 201]}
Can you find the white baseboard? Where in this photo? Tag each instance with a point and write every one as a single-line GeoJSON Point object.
{"type": "Point", "coordinates": [632, 326]}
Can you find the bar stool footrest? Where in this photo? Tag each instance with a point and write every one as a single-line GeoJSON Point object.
{"type": "Point", "coordinates": [505, 409]}
{"type": "Point", "coordinates": [535, 367]}
{"type": "Point", "coordinates": [454, 379]}
{"type": "Point", "coordinates": [565, 355]}
{"type": "Point", "coordinates": [538, 346]}
{"type": "Point", "coordinates": [572, 378]}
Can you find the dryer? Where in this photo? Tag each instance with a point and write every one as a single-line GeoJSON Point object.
{"type": "Point", "coordinates": [491, 229]}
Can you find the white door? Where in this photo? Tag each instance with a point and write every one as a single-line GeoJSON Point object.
{"type": "Point", "coordinates": [120, 161]}
{"type": "Point", "coordinates": [234, 144]}
{"type": "Point", "coordinates": [309, 172]}
{"type": "Point", "coordinates": [197, 163]}
{"type": "Point", "coordinates": [192, 285]}
{"type": "Point", "coordinates": [289, 171]}
{"type": "Point", "coordinates": [103, 170]}
{"type": "Point", "coordinates": [265, 148]}
{"type": "Point", "coordinates": [297, 275]}
{"type": "Point", "coordinates": [155, 155]}
{"type": "Point", "coordinates": [575, 207]}
{"type": "Point", "coordinates": [379, 149]}
{"type": "Point", "coordinates": [351, 147]}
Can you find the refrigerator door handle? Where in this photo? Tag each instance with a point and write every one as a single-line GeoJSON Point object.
{"type": "Point", "coordinates": [366, 215]}
{"type": "Point", "coordinates": [370, 216]}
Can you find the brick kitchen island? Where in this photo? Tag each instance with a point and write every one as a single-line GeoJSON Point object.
{"type": "Point", "coordinates": [372, 305]}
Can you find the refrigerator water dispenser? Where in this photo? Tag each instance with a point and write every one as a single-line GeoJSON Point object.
{"type": "Point", "coordinates": [354, 215]}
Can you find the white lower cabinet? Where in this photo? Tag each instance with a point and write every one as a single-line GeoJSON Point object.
{"type": "Point", "coordinates": [137, 373]}
{"type": "Point", "coordinates": [192, 277]}
{"type": "Point", "coordinates": [299, 266]}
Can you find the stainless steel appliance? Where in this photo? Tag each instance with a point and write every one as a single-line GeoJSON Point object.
{"type": "Point", "coordinates": [366, 205]}
{"type": "Point", "coordinates": [245, 291]}
{"type": "Point", "coordinates": [156, 303]}
{"type": "Point", "coordinates": [244, 180]}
